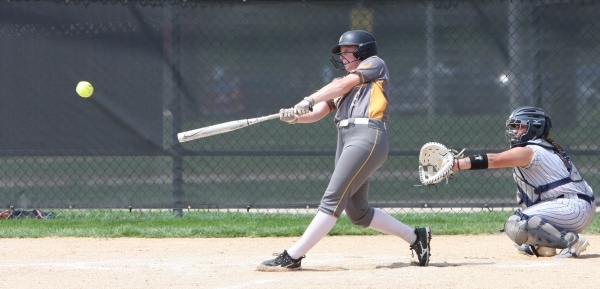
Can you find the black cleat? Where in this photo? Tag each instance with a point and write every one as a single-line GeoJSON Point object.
{"type": "Point", "coordinates": [283, 260]}
{"type": "Point", "coordinates": [421, 245]}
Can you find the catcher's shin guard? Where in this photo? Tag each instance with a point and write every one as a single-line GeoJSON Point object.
{"type": "Point", "coordinates": [545, 234]}
{"type": "Point", "coordinates": [535, 231]}
{"type": "Point", "coordinates": [516, 229]}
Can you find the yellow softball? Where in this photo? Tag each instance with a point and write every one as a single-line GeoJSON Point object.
{"type": "Point", "coordinates": [84, 89]}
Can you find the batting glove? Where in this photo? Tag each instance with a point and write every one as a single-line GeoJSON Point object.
{"type": "Point", "coordinates": [305, 106]}
{"type": "Point", "coordinates": [288, 115]}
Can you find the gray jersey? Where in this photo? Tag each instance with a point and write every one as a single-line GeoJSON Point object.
{"type": "Point", "coordinates": [368, 99]}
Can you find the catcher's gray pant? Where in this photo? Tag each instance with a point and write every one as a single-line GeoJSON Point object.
{"type": "Point", "coordinates": [569, 213]}
{"type": "Point", "coordinates": [548, 223]}
{"type": "Point", "coordinates": [362, 147]}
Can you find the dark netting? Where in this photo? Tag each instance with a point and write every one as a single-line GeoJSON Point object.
{"type": "Point", "coordinates": [457, 69]}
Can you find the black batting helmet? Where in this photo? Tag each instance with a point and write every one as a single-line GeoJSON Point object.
{"type": "Point", "coordinates": [367, 46]}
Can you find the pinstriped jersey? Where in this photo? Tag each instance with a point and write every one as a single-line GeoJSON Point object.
{"type": "Point", "coordinates": [546, 167]}
{"type": "Point", "coordinates": [369, 99]}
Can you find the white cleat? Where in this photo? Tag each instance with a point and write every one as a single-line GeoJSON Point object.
{"type": "Point", "coordinates": [574, 250]}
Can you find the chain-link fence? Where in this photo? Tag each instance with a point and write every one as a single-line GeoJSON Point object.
{"type": "Point", "coordinates": [457, 70]}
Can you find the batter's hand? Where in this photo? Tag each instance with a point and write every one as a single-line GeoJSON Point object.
{"type": "Point", "coordinates": [305, 106]}
{"type": "Point", "coordinates": [288, 115]}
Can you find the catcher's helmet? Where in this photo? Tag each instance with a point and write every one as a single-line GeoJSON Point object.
{"type": "Point", "coordinates": [367, 46]}
{"type": "Point", "coordinates": [538, 122]}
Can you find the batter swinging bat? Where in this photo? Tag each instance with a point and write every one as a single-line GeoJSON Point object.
{"type": "Point", "coordinates": [221, 128]}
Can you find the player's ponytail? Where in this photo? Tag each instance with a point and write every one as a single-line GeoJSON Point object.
{"type": "Point", "coordinates": [556, 146]}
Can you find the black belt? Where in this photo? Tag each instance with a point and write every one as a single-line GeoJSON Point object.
{"type": "Point", "coordinates": [583, 197]}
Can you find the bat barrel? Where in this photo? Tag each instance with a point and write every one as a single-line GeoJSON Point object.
{"type": "Point", "coordinates": [221, 128]}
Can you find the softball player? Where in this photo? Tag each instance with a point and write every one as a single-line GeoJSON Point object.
{"type": "Point", "coordinates": [557, 203]}
{"type": "Point", "coordinates": [361, 101]}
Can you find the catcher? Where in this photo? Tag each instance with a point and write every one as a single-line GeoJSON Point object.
{"type": "Point", "coordinates": [556, 202]}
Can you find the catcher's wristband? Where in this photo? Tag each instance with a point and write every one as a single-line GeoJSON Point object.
{"type": "Point", "coordinates": [479, 162]}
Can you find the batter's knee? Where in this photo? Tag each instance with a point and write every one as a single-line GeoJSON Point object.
{"type": "Point", "coordinates": [361, 218]}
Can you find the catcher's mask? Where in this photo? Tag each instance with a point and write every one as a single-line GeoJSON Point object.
{"type": "Point", "coordinates": [365, 42]}
{"type": "Point", "coordinates": [537, 122]}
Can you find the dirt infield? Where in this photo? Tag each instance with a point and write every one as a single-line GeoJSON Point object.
{"type": "Point", "coordinates": [488, 261]}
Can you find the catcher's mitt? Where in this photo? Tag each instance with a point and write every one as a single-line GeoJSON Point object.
{"type": "Point", "coordinates": [435, 162]}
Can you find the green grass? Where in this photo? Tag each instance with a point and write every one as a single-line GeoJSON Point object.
{"type": "Point", "coordinates": [237, 224]}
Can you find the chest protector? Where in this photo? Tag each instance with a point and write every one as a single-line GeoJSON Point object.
{"type": "Point", "coordinates": [529, 194]}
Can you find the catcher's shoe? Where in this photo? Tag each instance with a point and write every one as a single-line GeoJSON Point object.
{"type": "Point", "coordinates": [574, 249]}
{"type": "Point", "coordinates": [421, 245]}
{"type": "Point", "coordinates": [283, 260]}
{"type": "Point", "coordinates": [525, 249]}
{"type": "Point", "coordinates": [538, 251]}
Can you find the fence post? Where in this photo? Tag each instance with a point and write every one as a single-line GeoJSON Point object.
{"type": "Point", "coordinates": [175, 68]}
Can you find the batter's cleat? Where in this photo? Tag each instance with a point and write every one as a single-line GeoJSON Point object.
{"type": "Point", "coordinates": [574, 249]}
{"type": "Point", "coordinates": [283, 260]}
{"type": "Point", "coordinates": [421, 245]}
